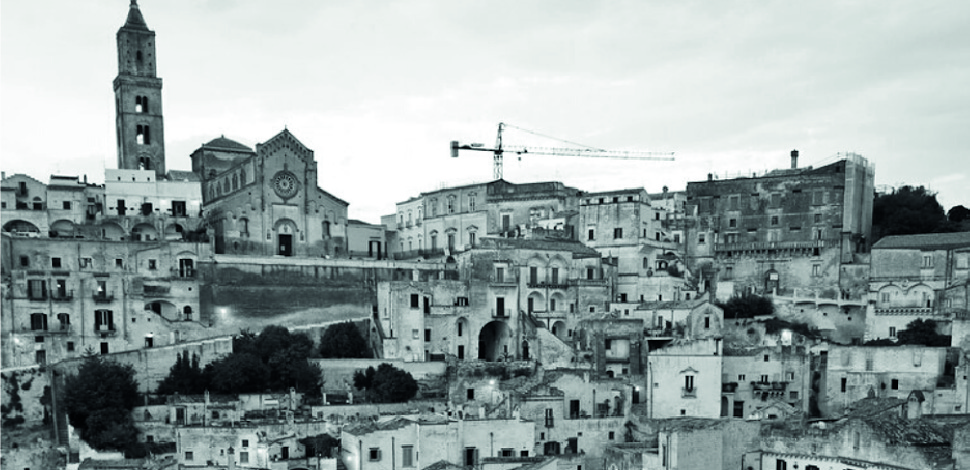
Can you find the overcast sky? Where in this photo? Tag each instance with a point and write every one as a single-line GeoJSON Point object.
{"type": "Point", "coordinates": [378, 88]}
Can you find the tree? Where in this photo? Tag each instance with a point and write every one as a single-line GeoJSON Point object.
{"type": "Point", "coordinates": [98, 401]}
{"type": "Point", "coordinates": [343, 340]}
{"type": "Point", "coordinates": [387, 384]}
{"type": "Point", "coordinates": [273, 360]}
{"type": "Point", "coordinates": [908, 210]}
{"type": "Point", "coordinates": [747, 305]}
{"type": "Point", "coordinates": [922, 332]}
{"type": "Point", "coordinates": [185, 377]}
{"type": "Point", "coordinates": [238, 373]}
{"type": "Point", "coordinates": [958, 214]}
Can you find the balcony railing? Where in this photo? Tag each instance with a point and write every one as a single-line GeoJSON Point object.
{"type": "Point", "coordinates": [34, 295]}
{"type": "Point", "coordinates": [537, 284]}
{"type": "Point", "coordinates": [505, 279]}
{"type": "Point", "coordinates": [729, 387]}
{"type": "Point", "coordinates": [785, 245]}
{"type": "Point", "coordinates": [64, 296]}
{"type": "Point", "coordinates": [686, 392]}
{"type": "Point", "coordinates": [502, 313]}
{"type": "Point", "coordinates": [587, 282]}
{"type": "Point", "coordinates": [105, 329]}
{"type": "Point", "coordinates": [769, 386]}
{"type": "Point", "coordinates": [103, 297]}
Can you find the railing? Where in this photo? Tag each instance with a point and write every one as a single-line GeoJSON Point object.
{"type": "Point", "coordinates": [587, 282]}
{"type": "Point", "coordinates": [105, 329]}
{"type": "Point", "coordinates": [505, 279]}
{"type": "Point", "coordinates": [417, 253]}
{"type": "Point", "coordinates": [501, 313]}
{"type": "Point", "coordinates": [729, 387]}
{"type": "Point", "coordinates": [769, 386]}
{"type": "Point", "coordinates": [547, 285]}
{"type": "Point", "coordinates": [102, 297]}
{"type": "Point", "coordinates": [783, 245]}
{"type": "Point", "coordinates": [62, 296]}
{"type": "Point", "coordinates": [36, 295]}
{"type": "Point", "coordinates": [658, 332]}
{"type": "Point", "coordinates": [908, 311]}
{"type": "Point", "coordinates": [688, 392]}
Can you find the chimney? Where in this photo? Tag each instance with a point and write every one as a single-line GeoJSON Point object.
{"type": "Point", "coordinates": [85, 180]}
{"type": "Point", "coordinates": [710, 177]}
{"type": "Point", "coordinates": [794, 159]}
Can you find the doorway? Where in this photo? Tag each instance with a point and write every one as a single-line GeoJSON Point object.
{"type": "Point", "coordinates": [285, 244]}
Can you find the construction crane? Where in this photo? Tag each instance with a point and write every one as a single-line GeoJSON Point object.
{"type": "Point", "coordinates": [587, 151]}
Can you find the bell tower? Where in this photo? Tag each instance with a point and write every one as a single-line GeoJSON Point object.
{"type": "Point", "coordinates": [138, 98]}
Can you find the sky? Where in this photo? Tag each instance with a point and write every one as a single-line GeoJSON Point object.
{"type": "Point", "coordinates": [379, 88]}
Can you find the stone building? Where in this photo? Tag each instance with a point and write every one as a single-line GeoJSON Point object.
{"type": "Point", "coordinates": [913, 277]}
{"type": "Point", "coordinates": [268, 202]}
{"type": "Point", "coordinates": [684, 379]}
{"type": "Point", "coordinates": [402, 442]}
{"type": "Point", "coordinates": [852, 373]}
{"type": "Point", "coordinates": [455, 218]}
{"type": "Point", "coordinates": [875, 433]}
{"type": "Point", "coordinates": [502, 299]}
{"type": "Point", "coordinates": [64, 297]}
{"type": "Point", "coordinates": [624, 225]}
{"type": "Point", "coordinates": [61, 208]}
{"type": "Point", "coordinates": [755, 377]}
{"type": "Point", "coordinates": [785, 229]}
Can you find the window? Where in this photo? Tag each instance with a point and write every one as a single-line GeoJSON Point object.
{"type": "Point", "coordinates": [471, 202]}
{"type": "Point", "coordinates": [407, 456]}
{"type": "Point", "coordinates": [894, 384]}
{"type": "Point", "coordinates": [740, 377]}
{"type": "Point", "coordinates": [689, 383]}
{"type": "Point", "coordinates": [24, 261]}
{"type": "Point", "coordinates": [188, 456]}
{"type": "Point", "coordinates": [499, 274]}
{"type": "Point", "coordinates": [781, 465]}
{"type": "Point", "coordinates": [590, 234]}
{"type": "Point", "coordinates": [415, 301]}
{"type": "Point", "coordinates": [451, 204]}
{"type": "Point", "coordinates": [67, 205]}
{"type": "Point", "coordinates": [764, 378]}
{"type": "Point", "coordinates": [612, 435]}
{"type": "Point", "coordinates": [729, 272]}
{"type": "Point", "coordinates": [415, 333]}
{"type": "Point", "coordinates": [427, 335]}
{"type": "Point", "coordinates": [70, 346]}
{"type": "Point", "coordinates": [508, 452]}
{"type": "Point", "coordinates": [143, 135]}
{"type": "Point", "coordinates": [793, 395]}
{"type": "Point", "coordinates": [152, 264]}
{"type": "Point", "coordinates": [892, 331]}
{"type": "Point", "coordinates": [884, 297]}
{"type": "Point", "coordinates": [927, 261]}
{"type": "Point", "coordinates": [244, 457]}
{"type": "Point", "coordinates": [707, 322]}
{"type": "Point", "coordinates": [374, 455]}
{"type": "Point", "coordinates": [816, 270]}
{"type": "Point", "coordinates": [767, 357]}
{"type": "Point", "coordinates": [55, 262]}
{"type": "Point", "coordinates": [701, 238]}
{"type": "Point", "coordinates": [618, 233]}
{"type": "Point", "coordinates": [471, 239]}
{"type": "Point", "coordinates": [733, 223]}
{"type": "Point", "coordinates": [38, 321]}
{"type": "Point", "coordinates": [36, 289]}
{"type": "Point", "coordinates": [470, 394]}
{"type": "Point", "coordinates": [245, 442]}
{"type": "Point", "coordinates": [844, 382]}
{"type": "Point", "coordinates": [590, 273]}
{"type": "Point", "coordinates": [774, 220]}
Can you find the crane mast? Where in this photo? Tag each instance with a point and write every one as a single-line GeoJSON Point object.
{"type": "Point", "coordinates": [499, 150]}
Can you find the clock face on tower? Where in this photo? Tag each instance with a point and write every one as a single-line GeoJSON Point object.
{"type": "Point", "coordinates": [285, 184]}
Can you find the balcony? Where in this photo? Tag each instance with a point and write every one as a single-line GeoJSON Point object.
{"type": "Point", "coordinates": [501, 313]}
{"type": "Point", "coordinates": [587, 282]}
{"type": "Point", "coordinates": [62, 296]}
{"type": "Point", "coordinates": [729, 387]}
{"type": "Point", "coordinates": [786, 245]}
{"type": "Point", "coordinates": [505, 280]}
{"type": "Point", "coordinates": [558, 284]}
{"type": "Point", "coordinates": [686, 392]}
{"type": "Point", "coordinates": [57, 329]}
{"type": "Point", "coordinates": [105, 329]}
{"type": "Point", "coordinates": [103, 297]}
{"type": "Point", "coordinates": [35, 295]}
{"type": "Point", "coordinates": [769, 389]}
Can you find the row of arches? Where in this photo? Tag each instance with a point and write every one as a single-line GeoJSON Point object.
{"type": "Point", "coordinates": [108, 230]}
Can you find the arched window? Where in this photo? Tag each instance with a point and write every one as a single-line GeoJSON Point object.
{"type": "Point", "coordinates": [138, 57]}
{"type": "Point", "coordinates": [187, 313]}
{"type": "Point", "coordinates": [143, 134]}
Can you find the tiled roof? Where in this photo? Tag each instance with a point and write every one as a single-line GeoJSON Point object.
{"type": "Point", "coordinates": [925, 241]}
{"type": "Point", "coordinates": [229, 144]}
{"type": "Point", "coordinates": [390, 425]}
{"type": "Point", "coordinates": [178, 175]}
{"type": "Point", "coordinates": [135, 20]}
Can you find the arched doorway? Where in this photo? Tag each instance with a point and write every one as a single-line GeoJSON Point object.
{"type": "Point", "coordinates": [525, 351]}
{"type": "Point", "coordinates": [559, 329]}
{"type": "Point", "coordinates": [493, 341]}
{"type": "Point", "coordinates": [285, 231]}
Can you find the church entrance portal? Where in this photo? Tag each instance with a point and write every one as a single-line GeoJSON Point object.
{"type": "Point", "coordinates": [285, 244]}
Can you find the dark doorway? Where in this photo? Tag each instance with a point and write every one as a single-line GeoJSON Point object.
{"type": "Point", "coordinates": [461, 352]}
{"type": "Point", "coordinates": [574, 409]}
{"type": "Point", "coordinates": [285, 244]}
{"type": "Point", "coordinates": [493, 341]}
